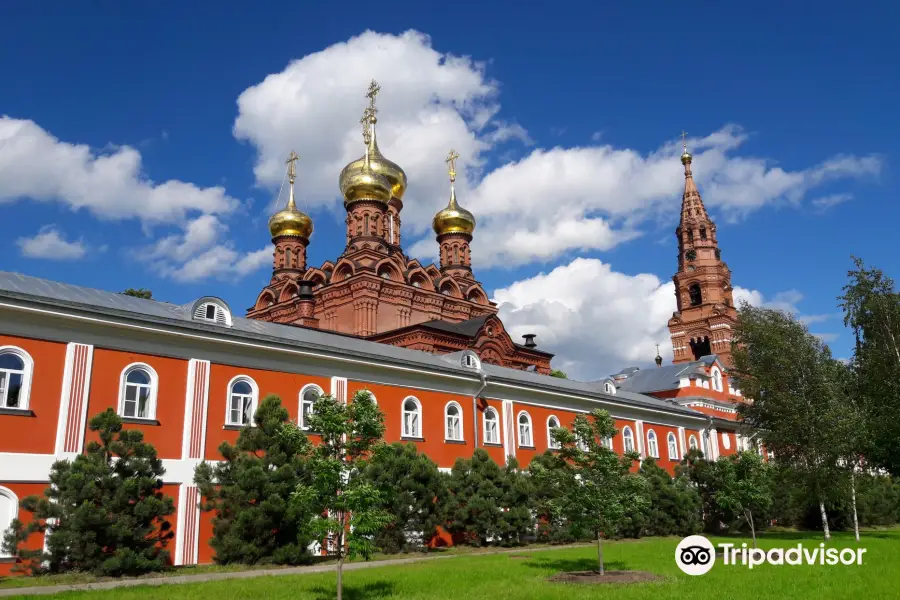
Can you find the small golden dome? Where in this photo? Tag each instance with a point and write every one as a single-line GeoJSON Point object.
{"type": "Point", "coordinates": [453, 219]}
{"type": "Point", "coordinates": [290, 221]}
{"type": "Point", "coordinates": [382, 166]}
{"type": "Point", "coordinates": [686, 157]}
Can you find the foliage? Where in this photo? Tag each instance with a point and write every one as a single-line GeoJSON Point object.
{"type": "Point", "coordinates": [412, 489]}
{"type": "Point", "coordinates": [872, 310]}
{"type": "Point", "coordinates": [605, 489]}
{"type": "Point", "coordinates": [250, 492]}
{"type": "Point", "coordinates": [797, 403]}
{"type": "Point", "coordinates": [487, 502]}
{"type": "Point", "coordinates": [139, 293]}
{"type": "Point", "coordinates": [346, 509]}
{"type": "Point", "coordinates": [744, 487]}
{"type": "Point", "coordinates": [674, 507]}
{"type": "Point", "coordinates": [558, 373]}
{"type": "Point", "coordinates": [550, 475]}
{"type": "Point", "coordinates": [104, 512]}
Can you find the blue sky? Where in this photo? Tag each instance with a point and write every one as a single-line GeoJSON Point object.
{"type": "Point", "coordinates": [126, 154]}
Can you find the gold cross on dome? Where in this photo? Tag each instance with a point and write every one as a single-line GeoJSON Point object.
{"type": "Point", "coordinates": [291, 162]}
{"type": "Point", "coordinates": [451, 161]}
{"type": "Point", "coordinates": [374, 88]}
{"type": "Point", "coordinates": [365, 121]}
{"type": "Point", "coordinates": [684, 139]}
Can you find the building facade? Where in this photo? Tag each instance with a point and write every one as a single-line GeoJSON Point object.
{"type": "Point", "coordinates": [425, 341]}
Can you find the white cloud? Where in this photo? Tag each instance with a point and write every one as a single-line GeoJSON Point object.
{"type": "Point", "coordinates": [551, 202]}
{"type": "Point", "coordinates": [109, 183]}
{"type": "Point", "coordinates": [824, 203]}
{"type": "Point", "coordinates": [201, 251]}
{"type": "Point", "coordinates": [50, 243]}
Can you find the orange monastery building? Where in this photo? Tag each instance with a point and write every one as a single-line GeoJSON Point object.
{"type": "Point", "coordinates": [425, 340]}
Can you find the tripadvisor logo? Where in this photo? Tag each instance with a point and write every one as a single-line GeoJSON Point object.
{"type": "Point", "coordinates": [696, 555]}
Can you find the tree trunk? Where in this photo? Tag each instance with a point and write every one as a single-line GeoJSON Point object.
{"type": "Point", "coordinates": [824, 519]}
{"type": "Point", "coordinates": [748, 514]}
{"type": "Point", "coordinates": [600, 553]}
{"type": "Point", "coordinates": [340, 577]}
{"type": "Point", "coordinates": [853, 502]}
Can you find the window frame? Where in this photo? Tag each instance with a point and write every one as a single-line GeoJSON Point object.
{"type": "Point", "coordinates": [254, 400]}
{"type": "Point", "coordinates": [27, 374]}
{"type": "Point", "coordinates": [417, 435]}
{"type": "Point", "coordinates": [717, 381]}
{"type": "Point", "coordinates": [693, 444]}
{"type": "Point", "coordinates": [628, 434]}
{"type": "Point", "coordinates": [652, 444]}
{"type": "Point", "coordinates": [14, 514]}
{"type": "Point", "coordinates": [301, 421]}
{"type": "Point", "coordinates": [519, 424]}
{"type": "Point", "coordinates": [672, 443]}
{"type": "Point", "coordinates": [154, 391]}
{"type": "Point", "coordinates": [609, 388]}
{"type": "Point", "coordinates": [490, 410]}
{"type": "Point", "coordinates": [459, 418]}
{"type": "Point", "coordinates": [726, 441]}
{"type": "Point", "coordinates": [551, 443]}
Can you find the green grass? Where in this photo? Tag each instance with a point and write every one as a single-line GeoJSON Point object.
{"type": "Point", "coordinates": [493, 577]}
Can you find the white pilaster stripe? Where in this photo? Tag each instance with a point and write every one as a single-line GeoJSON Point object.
{"type": "Point", "coordinates": [73, 401]}
{"type": "Point", "coordinates": [639, 429]}
{"type": "Point", "coordinates": [682, 441]}
{"type": "Point", "coordinates": [196, 404]}
{"type": "Point", "coordinates": [339, 389]}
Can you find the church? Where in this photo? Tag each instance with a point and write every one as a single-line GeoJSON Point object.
{"type": "Point", "coordinates": [425, 340]}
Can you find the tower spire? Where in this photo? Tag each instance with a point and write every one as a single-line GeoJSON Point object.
{"type": "Point", "coordinates": [451, 170]}
{"type": "Point", "coordinates": [692, 208]}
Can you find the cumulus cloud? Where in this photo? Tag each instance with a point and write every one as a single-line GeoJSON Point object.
{"type": "Point", "coordinates": [201, 251]}
{"type": "Point", "coordinates": [551, 202]}
{"type": "Point", "coordinates": [50, 243]}
{"type": "Point", "coordinates": [598, 321]}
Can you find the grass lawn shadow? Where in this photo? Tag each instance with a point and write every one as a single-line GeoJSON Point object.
{"type": "Point", "coordinates": [367, 591]}
{"type": "Point", "coordinates": [566, 565]}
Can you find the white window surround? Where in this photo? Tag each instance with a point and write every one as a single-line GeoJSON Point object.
{"type": "Point", "coordinates": [306, 403]}
{"type": "Point", "coordinates": [9, 510]}
{"type": "Point", "coordinates": [490, 421]}
{"type": "Point", "coordinates": [153, 390]}
{"type": "Point", "coordinates": [525, 430]}
{"type": "Point", "coordinates": [692, 443]}
{"type": "Point", "coordinates": [717, 379]}
{"type": "Point", "coordinates": [26, 373]}
{"type": "Point", "coordinates": [470, 360]}
{"type": "Point", "coordinates": [212, 310]}
{"type": "Point", "coordinates": [411, 417]}
{"type": "Point", "coordinates": [552, 423]}
{"type": "Point", "coordinates": [453, 422]}
{"type": "Point", "coordinates": [672, 444]}
{"type": "Point", "coordinates": [254, 400]}
{"type": "Point", "coordinates": [652, 444]}
{"type": "Point", "coordinates": [726, 440]}
{"type": "Point", "coordinates": [609, 388]}
{"type": "Point", "coordinates": [627, 439]}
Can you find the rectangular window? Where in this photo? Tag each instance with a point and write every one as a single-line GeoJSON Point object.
{"type": "Point", "coordinates": [211, 312]}
{"type": "Point", "coordinates": [491, 436]}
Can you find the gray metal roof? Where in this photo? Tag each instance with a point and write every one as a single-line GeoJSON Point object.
{"type": "Point", "coordinates": [42, 291]}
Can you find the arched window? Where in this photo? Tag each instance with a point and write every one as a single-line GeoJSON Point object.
{"type": "Point", "coordinates": [491, 426]}
{"type": "Point", "coordinates": [717, 379]}
{"type": "Point", "coordinates": [696, 294]}
{"type": "Point", "coordinates": [242, 396]}
{"type": "Point", "coordinates": [652, 445]}
{"type": "Point", "coordinates": [703, 233]}
{"type": "Point", "coordinates": [673, 446]}
{"type": "Point", "coordinates": [9, 510]}
{"type": "Point", "coordinates": [627, 439]}
{"type": "Point", "coordinates": [455, 255]}
{"type": "Point", "coordinates": [137, 392]}
{"type": "Point", "coordinates": [692, 443]}
{"type": "Point", "coordinates": [525, 438]}
{"type": "Point", "coordinates": [366, 224]}
{"type": "Point", "coordinates": [16, 366]}
{"type": "Point", "coordinates": [308, 396]}
{"type": "Point", "coordinates": [552, 423]}
{"type": "Point", "coordinates": [726, 441]}
{"type": "Point", "coordinates": [453, 422]}
{"type": "Point", "coordinates": [412, 418]}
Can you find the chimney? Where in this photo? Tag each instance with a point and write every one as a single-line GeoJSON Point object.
{"type": "Point", "coordinates": [306, 305]}
{"type": "Point", "coordinates": [529, 340]}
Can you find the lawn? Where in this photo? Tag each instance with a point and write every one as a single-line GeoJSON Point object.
{"type": "Point", "coordinates": [523, 575]}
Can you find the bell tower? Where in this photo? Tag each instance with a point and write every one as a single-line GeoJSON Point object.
{"type": "Point", "coordinates": [705, 315]}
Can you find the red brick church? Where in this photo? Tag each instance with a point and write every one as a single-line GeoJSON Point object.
{"type": "Point", "coordinates": [424, 340]}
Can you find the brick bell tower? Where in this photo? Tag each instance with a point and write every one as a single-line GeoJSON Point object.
{"type": "Point", "coordinates": [454, 226]}
{"type": "Point", "coordinates": [706, 316]}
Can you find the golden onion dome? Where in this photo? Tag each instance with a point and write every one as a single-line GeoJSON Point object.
{"type": "Point", "coordinates": [453, 218]}
{"type": "Point", "coordinates": [291, 220]}
{"type": "Point", "coordinates": [686, 157]}
{"type": "Point", "coordinates": [361, 182]}
{"type": "Point", "coordinates": [382, 166]}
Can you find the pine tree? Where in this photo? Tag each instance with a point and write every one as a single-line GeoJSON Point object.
{"type": "Point", "coordinates": [550, 475]}
{"type": "Point", "coordinates": [674, 503]}
{"type": "Point", "coordinates": [250, 492]}
{"type": "Point", "coordinates": [486, 502]}
{"type": "Point", "coordinates": [347, 510]}
{"type": "Point", "coordinates": [413, 490]}
{"type": "Point", "coordinates": [104, 512]}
